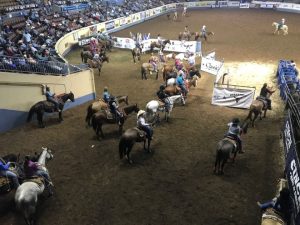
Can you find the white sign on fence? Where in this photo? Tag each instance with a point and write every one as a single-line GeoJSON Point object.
{"type": "Point", "coordinates": [244, 5]}
{"type": "Point", "coordinates": [175, 46]}
{"type": "Point", "coordinates": [233, 97]}
{"type": "Point", "coordinates": [210, 65]}
{"type": "Point", "coordinates": [124, 43]}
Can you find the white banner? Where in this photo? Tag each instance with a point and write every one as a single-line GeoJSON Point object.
{"type": "Point", "coordinates": [222, 4]}
{"type": "Point", "coordinates": [233, 4]}
{"type": "Point", "coordinates": [124, 43]}
{"type": "Point", "coordinates": [210, 65]}
{"type": "Point", "coordinates": [175, 46]}
{"type": "Point", "coordinates": [233, 97]}
{"type": "Point", "coordinates": [244, 5]}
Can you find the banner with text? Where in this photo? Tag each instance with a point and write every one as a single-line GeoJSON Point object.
{"type": "Point", "coordinates": [175, 46]}
{"type": "Point", "coordinates": [210, 65]}
{"type": "Point", "coordinates": [124, 43]}
{"type": "Point", "coordinates": [292, 168]}
{"type": "Point", "coordinates": [237, 97]}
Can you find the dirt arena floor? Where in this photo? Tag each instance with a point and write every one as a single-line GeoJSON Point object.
{"type": "Point", "coordinates": [175, 184]}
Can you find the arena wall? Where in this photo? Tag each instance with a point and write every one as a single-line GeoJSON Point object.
{"type": "Point", "coordinates": [21, 91]}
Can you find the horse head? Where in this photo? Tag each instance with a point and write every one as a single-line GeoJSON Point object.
{"type": "Point", "coordinates": [71, 96]}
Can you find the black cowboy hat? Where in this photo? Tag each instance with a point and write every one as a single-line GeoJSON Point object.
{"type": "Point", "coordinates": [236, 121]}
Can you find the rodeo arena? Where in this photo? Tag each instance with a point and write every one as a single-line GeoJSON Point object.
{"type": "Point", "coordinates": [147, 112]}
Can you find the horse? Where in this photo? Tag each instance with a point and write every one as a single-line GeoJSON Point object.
{"type": "Point", "coordinates": [167, 70]}
{"type": "Point", "coordinates": [173, 90]}
{"type": "Point", "coordinates": [154, 106]}
{"type": "Point", "coordinates": [206, 34]}
{"type": "Point", "coordinates": [258, 106]}
{"type": "Point", "coordinates": [284, 28]}
{"type": "Point", "coordinates": [162, 46]}
{"type": "Point", "coordinates": [185, 36]}
{"type": "Point", "coordinates": [27, 194]}
{"type": "Point", "coordinates": [225, 148]}
{"type": "Point", "coordinates": [136, 54]}
{"type": "Point", "coordinates": [101, 105]}
{"type": "Point", "coordinates": [128, 138]}
{"type": "Point", "coordinates": [188, 82]}
{"type": "Point", "coordinates": [49, 107]}
{"type": "Point", "coordinates": [85, 55]}
{"type": "Point", "coordinates": [97, 64]}
{"type": "Point", "coordinates": [100, 118]}
{"type": "Point", "coordinates": [147, 67]}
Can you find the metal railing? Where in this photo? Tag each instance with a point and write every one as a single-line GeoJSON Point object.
{"type": "Point", "coordinates": [24, 65]}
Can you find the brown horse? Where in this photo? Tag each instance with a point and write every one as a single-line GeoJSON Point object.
{"type": "Point", "coordinates": [128, 138]}
{"type": "Point", "coordinates": [257, 107]}
{"type": "Point", "coordinates": [85, 55]}
{"type": "Point", "coordinates": [100, 118]}
{"type": "Point", "coordinates": [97, 63]}
{"type": "Point", "coordinates": [205, 35]}
{"type": "Point", "coordinates": [101, 105]}
{"type": "Point", "coordinates": [225, 148]}
{"type": "Point", "coordinates": [167, 69]}
{"type": "Point", "coordinates": [147, 67]}
{"type": "Point", "coordinates": [173, 90]}
{"type": "Point", "coordinates": [185, 36]}
{"type": "Point", "coordinates": [136, 54]}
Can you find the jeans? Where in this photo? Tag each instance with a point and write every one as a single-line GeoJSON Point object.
{"type": "Point", "coordinates": [44, 174]}
{"type": "Point", "coordinates": [148, 130]}
{"type": "Point", "coordinates": [269, 204]}
{"type": "Point", "coordinates": [12, 176]}
{"type": "Point", "coordinates": [183, 89]}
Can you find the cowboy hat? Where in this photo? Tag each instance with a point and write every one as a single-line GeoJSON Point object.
{"type": "Point", "coordinates": [141, 112]}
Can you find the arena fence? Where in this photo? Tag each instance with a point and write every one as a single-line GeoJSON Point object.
{"type": "Point", "coordinates": [22, 65]}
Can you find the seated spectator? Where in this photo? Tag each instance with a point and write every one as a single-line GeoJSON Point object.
{"type": "Point", "coordinates": [27, 37]}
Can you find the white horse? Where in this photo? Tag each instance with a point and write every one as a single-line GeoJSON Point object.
{"type": "Point", "coordinates": [188, 82]}
{"type": "Point", "coordinates": [26, 197]}
{"type": "Point", "coordinates": [284, 28]}
{"type": "Point", "coordinates": [154, 106]}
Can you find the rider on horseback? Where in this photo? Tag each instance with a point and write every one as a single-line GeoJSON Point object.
{"type": "Point", "coordinates": [203, 31]}
{"type": "Point", "coordinates": [106, 95]}
{"type": "Point", "coordinates": [181, 84]}
{"type": "Point", "coordinates": [234, 132]}
{"type": "Point", "coordinates": [5, 172]}
{"type": "Point", "coordinates": [153, 60]}
{"type": "Point", "coordinates": [141, 124]}
{"type": "Point", "coordinates": [114, 109]}
{"type": "Point", "coordinates": [264, 91]}
{"type": "Point", "coordinates": [51, 97]}
{"type": "Point", "coordinates": [161, 94]}
{"type": "Point", "coordinates": [32, 169]}
{"type": "Point", "coordinates": [281, 23]}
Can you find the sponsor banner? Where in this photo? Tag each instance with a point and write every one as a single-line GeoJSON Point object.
{"type": "Point", "coordinates": [124, 43]}
{"type": "Point", "coordinates": [233, 97]}
{"type": "Point", "coordinates": [123, 21]}
{"type": "Point", "coordinates": [233, 4]}
{"type": "Point", "coordinates": [205, 4]}
{"type": "Point", "coordinates": [117, 23]}
{"type": "Point", "coordinates": [93, 30]}
{"type": "Point", "coordinates": [84, 41]}
{"type": "Point", "coordinates": [222, 4]}
{"type": "Point", "coordinates": [148, 13]}
{"type": "Point", "coordinates": [110, 25]}
{"type": "Point", "coordinates": [210, 65]}
{"type": "Point", "coordinates": [171, 6]}
{"type": "Point", "coordinates": [175, 46]}
{"type": "Point", "coordinates": [292, 168]}
{"type": "Point", "coordinates": [164, 8]}
{"type": "Point", "coordinates": [157, 11]}
{"type": "Point", "coordinates": [135, 17]}
{"type": "Point", "coordinates": [266, 6]}
{"type": "Point", "coordinates": [143, 15]}
{"type": "Point", "coordinates": [244, 5]}
{"type": "Point", "coordinates": [191, 4]}
{"type": "Point", "coordinates": [75, 36]}
{"type": "Point", "coordinates": [101, 27]}
{"type": "Point", "coordinates": [128, 19]}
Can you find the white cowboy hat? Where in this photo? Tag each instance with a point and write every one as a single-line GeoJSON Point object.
{"type": "Point", "coordinates": [141, 112]}
{"type": "Point", "coordinates": [204, 26]}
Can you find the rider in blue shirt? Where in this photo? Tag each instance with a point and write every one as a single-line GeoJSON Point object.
{"type": "Point", "coordinates": [52, 98]}
{"type": "Point", "coordinates": [180, 83]}
{"type": "Point", "coordinates": [234, 131]}
{"type": "Point", "coordinates": [5, 172]}
{"type": "Point", "coordinates": [106, 95]}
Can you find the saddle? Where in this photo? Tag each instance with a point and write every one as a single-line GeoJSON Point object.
{"type": "Point", "coordinates": [5, 185]}
{"type": "Point", "coordinates": [142, 134]}
{"type": "Point", "coordinates": [232, 141]}
{"type": "Point", "coordinates": [108, 114]}
{"type": "Point", "coordinates": [36, 179]}
{"type": "Point", "coordinates": [263, 100]}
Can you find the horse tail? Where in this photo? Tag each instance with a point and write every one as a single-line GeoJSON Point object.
{"type": "Point", "coordinates": [30, 114]}
{"type": "Point", "coordinates": [94, 122]}
{"type": "Point", "coordinates": [89, 115]}
{"type": "Point", "coordinates": [27, 207]}
{"type": "Point", "coordinates": [122, 147]}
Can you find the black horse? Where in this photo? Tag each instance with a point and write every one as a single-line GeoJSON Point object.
{"type": "Point", "coordinates": [128, 138]}
{"type": "Point", "coordinates": [45, 106]}
{"type": "Point", "coordinates": [157, 45]}
{"type": "Point", "coordinates": [226, 147]}
{"type": "Point", "coordinates": [100, 118]}
{"type": "Point", "coordinates": [136, 54]}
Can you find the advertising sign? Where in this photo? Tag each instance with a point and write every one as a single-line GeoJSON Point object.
{"type": "Point", "coordinates": [244, 5]}
{"type": "Point", "coordinates": [222, 4]}
{"type": "Point", "coordinates": [110, 25]}
{"type": "Point", "coordinates": [233, 97]}
{"type": "Point", "coordinates": [211, 65]}
{"type": "Point", "coordinates": [292, 168]}
{"type": "Point", "coordinates": [124, 43]}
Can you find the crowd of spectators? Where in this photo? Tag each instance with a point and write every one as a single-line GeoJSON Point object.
{"type": "Point", "coordinates": [30, 28]}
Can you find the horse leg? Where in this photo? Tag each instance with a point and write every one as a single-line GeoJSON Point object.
{"type": "Point", "coordinates": [217, 163]}
{"type": "Point", "coordinates": [120, 129]}
{"type": "Point", "coordinates": [40, 119]}
{"type": "Point", "coordinates": [149, 150]}
{"type": "Point", "coordinates": [265, 113]}
{"type": "Point", "coordinates": [222, 166]}
{"type": "Point", "coordinates": [157, 75]}
{"type": "Point", "coordinates": [128, 150]}
{"type": "Point", "coordinates": [60, 119]}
